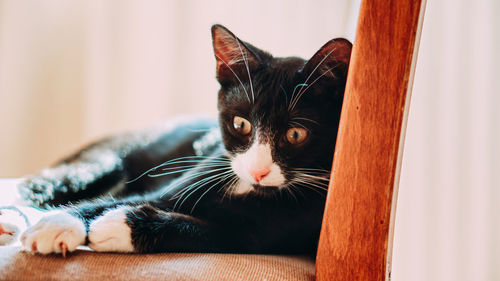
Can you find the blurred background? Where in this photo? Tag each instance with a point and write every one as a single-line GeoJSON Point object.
{"type": "Point", "coordinates": [74, 71]}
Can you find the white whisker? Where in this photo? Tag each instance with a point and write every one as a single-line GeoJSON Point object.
{"type": "Point", "coordinates": [223, 178]}
{"type": "Point", "coordinates": [305, 119]}
{"type": "Point", "coordinates": [295, 188]}
{"type": "Point", "coordinates": [316, 177]}
{"type": "Point", "coordinates": [312, 186]}
{"type": "Point", "coordinates": [293, 94]}
{"type": "Point", "coordinates": [177, 170]}
{"type": "Point", "coordinates": [297, 124]}
{"type": "Point", "coordinates": [315, 68]}
{"type": "Point", "coordinates": [299, 95]}
{"type": "Point", "coordinates": [309, 77]}
{"type": "Point", "coordinates": [312, 181]}
{"type": "Point", "coordinates": [290, 191]}
{"type": "Point", "coordinates": [199, 184]}
{"type": "Point", "coordinates": [185, 159]}
{"type": "Point", "coordinates": [248, 69]}
{"type": "Point", "coordinates": [183, 190]}
{"type": "Point", "coordinates": [239, 80]}
{"type": "Point", "coordinates": [313, 170]}
{"type": "Point", "coordinates": [320, 185]}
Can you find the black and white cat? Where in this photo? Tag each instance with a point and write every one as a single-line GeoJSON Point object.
{"type": "Point", "coordinates": [253, 182]}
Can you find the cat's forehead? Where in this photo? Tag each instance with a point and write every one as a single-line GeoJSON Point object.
{"type": "Point", "coordinates": [269, 95]}
{"type": "Point", "coordinates": [262, 85]}
{"type": "Point", "coordinates": [288, 65]}
{"type": "Point", "coordinates": [285, 71]}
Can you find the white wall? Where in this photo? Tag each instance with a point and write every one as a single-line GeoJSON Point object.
{"type": "Point", "coordinates": [448, 217]}
{"type": "Point", "coordinates": [71, 71]}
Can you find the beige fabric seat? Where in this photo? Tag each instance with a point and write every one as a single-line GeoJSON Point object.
{"type": "Point", "coordinates": [87, 265]}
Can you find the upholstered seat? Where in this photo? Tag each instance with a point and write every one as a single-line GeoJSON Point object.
{"type": "Point", "coordinates": [87, 265]}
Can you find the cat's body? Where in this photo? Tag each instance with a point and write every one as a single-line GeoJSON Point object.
{"type": "Point", "coordinates": [254, 183]}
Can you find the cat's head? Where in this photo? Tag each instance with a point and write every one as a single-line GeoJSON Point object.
{"type": "Point", "coordinates": [279, 116]}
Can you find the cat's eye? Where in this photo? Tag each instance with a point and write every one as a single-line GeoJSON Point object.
{"type": "Point", "coordinates": [296, 135]}
{"type": "Point", "coordinates": [242, 125]}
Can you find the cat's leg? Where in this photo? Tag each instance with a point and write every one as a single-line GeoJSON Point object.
{"type": "Point", "coordinates": [127, 227]}
{"type": "Point", "coordinates": [93, 173]}
{"type": "Point", "coordinates": [97, 169]}
{"type": "Point", "coordinates": [146, 229]}
{"type": "Point", "coordinates": [106, 166]}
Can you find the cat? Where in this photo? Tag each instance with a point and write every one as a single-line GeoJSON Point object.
{"type": "Point", "coordinates": [253, 181]}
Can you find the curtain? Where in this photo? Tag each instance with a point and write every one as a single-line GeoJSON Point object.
{"type": "Point", "coordinates": [448, 215]}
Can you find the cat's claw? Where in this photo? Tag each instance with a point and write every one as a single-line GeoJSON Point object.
{"type": "Point", "coordinates": [7, 234]}
{"type": "Point", "coordinates": [64, 248]}
{"type": "Point", "coordinates": [3, 231]}
{"type": "Point", "coordinates": [58, 233]}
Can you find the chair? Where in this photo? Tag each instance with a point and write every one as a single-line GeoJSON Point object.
{"type": "Point", "coordinates": [356, 236]}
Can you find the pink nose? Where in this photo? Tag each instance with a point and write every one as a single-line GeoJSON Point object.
{"type": "Point", "coordinates": [258, 175]}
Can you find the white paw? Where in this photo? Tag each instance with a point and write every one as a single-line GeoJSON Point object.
{"type": "Point", "coordinates": [12, 223]}
{"type": "Point", "coordinates": [57, 233]}
{"type": "Point", "coordinates": [111, 233]}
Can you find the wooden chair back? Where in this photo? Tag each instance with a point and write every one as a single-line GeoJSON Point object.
{"type": "Point", "coordinates": [357, 231]}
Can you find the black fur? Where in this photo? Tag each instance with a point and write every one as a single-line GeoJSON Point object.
{"type": "Point", "coordinates": [165, 216]}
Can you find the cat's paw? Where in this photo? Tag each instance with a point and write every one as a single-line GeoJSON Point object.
{"type": "Point", "coordinates": [48, 188]}
{"type": "Point", "coordinates": [111, 232]}
{"type": "Point", "coordinates": [12, 223]}
{"type": "Point", "coordinates": [57, 233]}
{"type": "Point", "coordinates": [38, 191]}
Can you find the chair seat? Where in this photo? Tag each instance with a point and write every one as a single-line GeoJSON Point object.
{"type": "Point", "coordinates": [16, 264]}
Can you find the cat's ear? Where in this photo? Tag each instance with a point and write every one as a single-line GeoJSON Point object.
{"type": "Point", "coordinates": [332, 60]}
{"type": "Point", "coordinates": [234, 57]}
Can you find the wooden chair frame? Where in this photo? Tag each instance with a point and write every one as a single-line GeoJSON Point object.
{"type": "Point", "coordinates": [358, 223]}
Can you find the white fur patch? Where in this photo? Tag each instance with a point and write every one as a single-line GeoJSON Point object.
{"type": "Point", "coordinates": [55, 233]}
{"type": "Point", "coordinates": [242, 187]}
{"type": "Point", "coordinates": [257, 157]}
{"type": "Point", "coordinates": [111, 233]}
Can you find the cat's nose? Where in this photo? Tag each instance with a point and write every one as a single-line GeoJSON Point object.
{"type": "Point", "coordinates": [258, 175]}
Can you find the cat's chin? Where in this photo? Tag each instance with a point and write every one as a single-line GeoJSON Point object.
{"type": "Point", "coordinates": [264, 189]}
{"type": "Point", "coordinates": [244, 187]}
